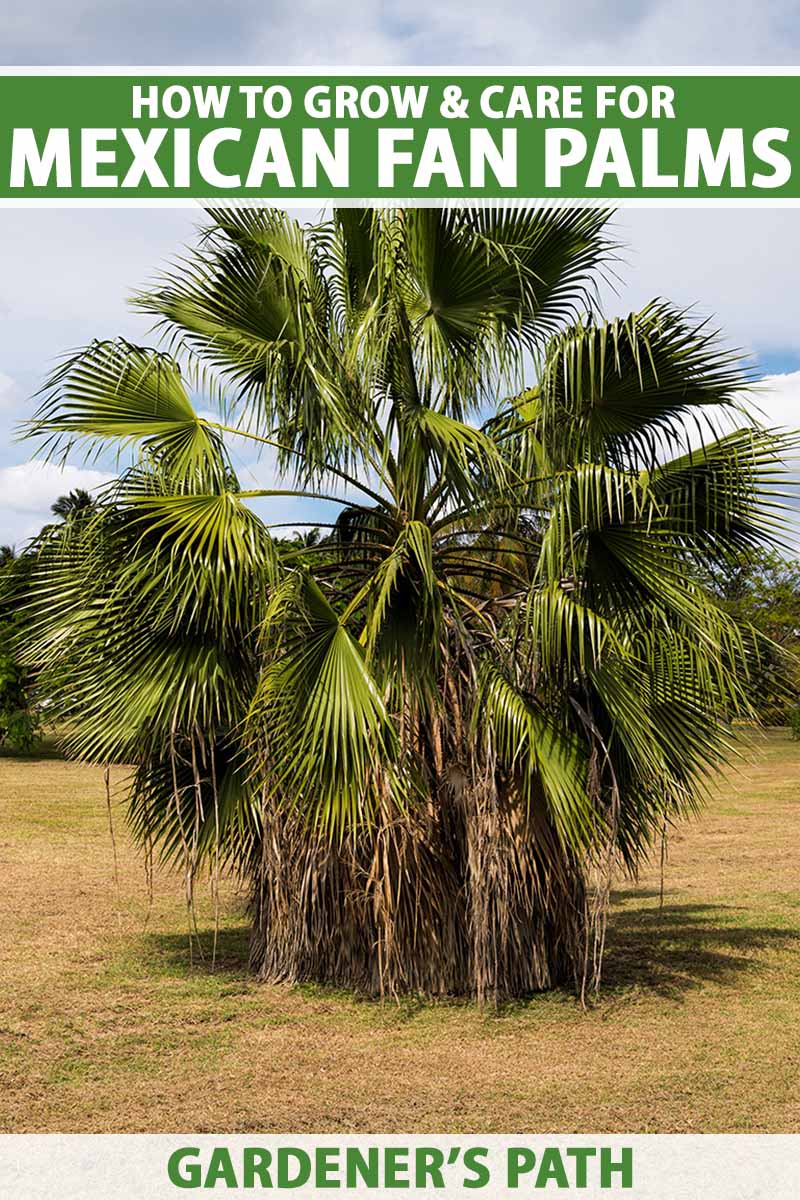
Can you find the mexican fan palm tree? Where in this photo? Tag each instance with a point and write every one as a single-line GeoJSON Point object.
{"type": "Point", "coordinates": [427, 737]}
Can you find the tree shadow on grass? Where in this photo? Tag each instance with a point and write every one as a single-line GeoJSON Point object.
{"type": "Point", "coordinates": [232, 967]}
{"type": "Point", "coordinates": [665, 951]}
{"type": "Point", "coordinates": [672, 949]}
{"type": "Point", "coordinates": [176, 956]}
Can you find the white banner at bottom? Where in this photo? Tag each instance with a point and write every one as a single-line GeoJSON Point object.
{"type": "Point", "coordinates": [592, 1167]}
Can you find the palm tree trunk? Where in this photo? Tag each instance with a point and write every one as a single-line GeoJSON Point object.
{"type": "Point", "coordinates": [475, 898]}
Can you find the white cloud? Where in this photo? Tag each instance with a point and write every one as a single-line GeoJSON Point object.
{"type": "Point", "coordinates": [774, 403]}
{"type": "Point", "coordinates": [28, 489]}
{"type": "Point", "coordinates": [8, 392]}
{"type": "Point", "coordinates": [736, 266]}
{"type": "Point", "coordinates": [777, 400]}
{"type": "Point", "coordinates": [362, 33]}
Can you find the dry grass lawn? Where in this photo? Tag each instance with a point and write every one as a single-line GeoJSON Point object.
{"type": "Point", "coordinates": [106, 1027]}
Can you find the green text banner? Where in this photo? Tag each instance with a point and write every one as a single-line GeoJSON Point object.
{"type": "Point", "coordinates": [277, 136]}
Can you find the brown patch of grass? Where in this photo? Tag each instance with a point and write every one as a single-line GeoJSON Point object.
{"type": "Point", "coordinates": [106, 1027]}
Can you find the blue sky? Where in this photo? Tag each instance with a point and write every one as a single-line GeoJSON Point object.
{"type": "Point", "coordinates": [65, 275]}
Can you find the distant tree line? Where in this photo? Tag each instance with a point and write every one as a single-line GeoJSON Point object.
{"type": "Point", "coordinates": [21, 714]}
{"type": "Point", "coordinates": [763, 590]}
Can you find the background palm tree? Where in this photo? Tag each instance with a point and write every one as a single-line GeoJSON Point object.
{"type": "Point", "coordinates": [76, 503]}
{"type": "Point", "coordinates": [426, 738]}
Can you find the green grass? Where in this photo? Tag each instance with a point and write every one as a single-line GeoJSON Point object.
{"type": "Point", "coordinates": [107, 1024]}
